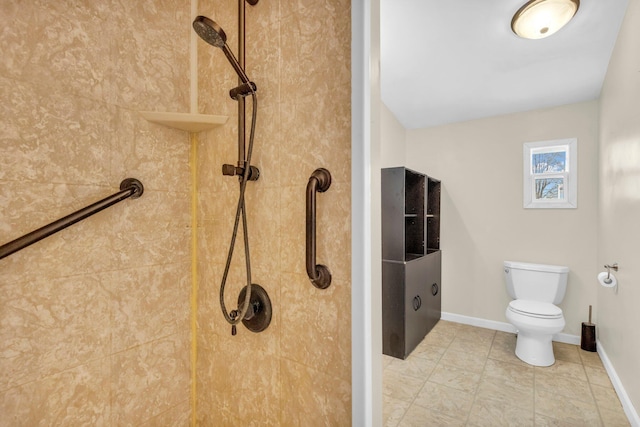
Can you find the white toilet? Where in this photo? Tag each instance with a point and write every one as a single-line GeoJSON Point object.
{"type": "Point", "coordinates": [535, 288]}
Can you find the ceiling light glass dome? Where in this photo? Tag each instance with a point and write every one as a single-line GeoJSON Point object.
{"type": "Point", "coordinates": [538, 19]}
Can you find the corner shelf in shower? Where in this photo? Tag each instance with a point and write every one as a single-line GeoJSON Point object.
{"type": "Point", "coordinates": [185, 121]}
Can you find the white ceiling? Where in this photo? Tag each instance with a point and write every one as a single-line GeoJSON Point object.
{"type": "Point", "coordinates": [445, 61]}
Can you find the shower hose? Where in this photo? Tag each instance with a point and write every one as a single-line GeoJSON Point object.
{"type": "Point", "coordinates": [234, 317]}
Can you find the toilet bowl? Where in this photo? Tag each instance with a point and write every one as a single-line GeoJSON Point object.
{"type": "Point", "coordinates": [536, 288]}
{"type": "Point", "coordinates": [536, 323]}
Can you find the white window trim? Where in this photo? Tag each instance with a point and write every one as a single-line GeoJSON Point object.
{"type": "Point", "coordinates": [571, 176]}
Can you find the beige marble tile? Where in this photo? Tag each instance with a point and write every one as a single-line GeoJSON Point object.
{"type": "Point", "coordinates": [445, 326]}
{"type": "Point", "coordinates": [561, 368]}
{"type": "Point", "coordinates": [606, 397]}
{"type": "Point", "coordinates": [313, 398]}
{"type": "Point", "coordinates": [263, 217]}
{"type": "Point", "coordinates": [437, 339]}
{"type": "Point", "coordinates": [614, 418]}
{"type": "Point", "coordinates": [502, 390]}
{"type": "Point", "coordinates": [590, 358]}
{"type": "Point", "coordinates": [468, 345]}
{"type": "Point", "coordinates": [566, 410]}
{"type": "Point", "coordinates": [304, 41]}
{"type": "Point", "coordinates": [50, 325]}
{"type": "Point", "coordinates": [445, 400]}
{"type": "Point", "coordinates": [453, 377]}
{"type": "Point", "coordinates": [464, 360]}
{"type": "Point", "coordinates": [546, 421]}
{"type": "Point", "coordinates": [567, 352]}
{"type": "Point", "coordinates": [149, 379]}
{"type": "Point", "coordinates": [414, 366]}
{"type": "Point", "coordinates": [514, 373]}
{"type": "Point", "coordinates": [492, 413]}
{"type": "Point", "coordinates": [504, 349]}
{"type": "Point", "coordinates": [155, 154]}
{"type": "Point", "coordinates": [241, 382]}
{"type": "Point", "coordinates": [417, 416]}
{"type": "Point", "coordinates": [322, 142]}
{"type": "Point", "coordinates": [149, 70]}
{"type": "Point", "coordinates": [426, 350]}
{"type": "Point", "coordinates": [393, 410]}
{"type": "Point", "coordinates": [400, 386]}
{"type": "Point", "coordinates": [597, 375]}
{"type": "Point", "coordinates": [568, 387]}
{"type": "Point", "coordinates": [178, 416]}
{"type": "Point", "coordinates": [147, 303]}
{"type": "Point", "coordinates": [314, 321]}
{"type": "Point", "coordinates": [475, 334]}
{"type": "Point", "coordinates": [52, 137]}
{"type": "Point", "coordinates": [77, 396]}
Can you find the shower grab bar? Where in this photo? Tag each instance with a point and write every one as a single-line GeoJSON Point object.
{"type": "Point", "coordinates": [129, 187]}
{"type": "Point", "coordinates": [319, 181]}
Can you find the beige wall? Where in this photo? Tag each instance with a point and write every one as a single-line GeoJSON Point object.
{"type": "Point", "coordinates": [393, 139]}
{"type": "Point", "coordinates": [619, 232]}
{"type": "Point", "coordinates": [298, 371]}
{"type": "Point", "coordinates": [94, 320]}
{"type": "Point", "coordinates": [483, 221]}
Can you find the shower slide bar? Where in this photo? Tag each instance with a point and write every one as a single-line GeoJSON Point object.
{"type": "Point", "coordinates": [129, 187]}
{"type": "Point", "coordinates": [319, 181]}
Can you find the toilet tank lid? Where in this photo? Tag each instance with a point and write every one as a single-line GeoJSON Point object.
{"type": "Point", "coordinates": [536, 267]}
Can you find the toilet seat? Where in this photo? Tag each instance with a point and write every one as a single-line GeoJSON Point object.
{"type": "Point", "coordinates": [537, 309]}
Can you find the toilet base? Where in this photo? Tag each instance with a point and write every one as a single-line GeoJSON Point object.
{"type": "Point", "coordinates": [536, 350]}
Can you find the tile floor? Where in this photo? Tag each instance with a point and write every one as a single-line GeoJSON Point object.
{"type": "Point", "coordinates": [466, 376]}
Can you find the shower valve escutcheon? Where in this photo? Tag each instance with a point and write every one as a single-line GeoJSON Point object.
{"type": "Point", "coordinates": [231, 170]}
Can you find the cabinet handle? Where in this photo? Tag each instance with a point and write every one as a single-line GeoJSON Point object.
{"type": "Point", "coordinates": [434, 289]}
{"type": "Point", "coordinates": [417, 303]}
{"type": "Point", "coordinates": [319, 181]}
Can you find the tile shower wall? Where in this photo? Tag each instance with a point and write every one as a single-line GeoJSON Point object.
{"type": "Point", "coordinates": [94, 321]}
{"type": "Point", "coordinates": [298, 371]}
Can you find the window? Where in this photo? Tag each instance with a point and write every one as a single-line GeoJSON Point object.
{"type": "Point", "coordinates": [551, 174]}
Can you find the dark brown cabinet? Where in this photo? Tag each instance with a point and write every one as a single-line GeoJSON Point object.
{"type": "Point", "coordinates": [411, 259]}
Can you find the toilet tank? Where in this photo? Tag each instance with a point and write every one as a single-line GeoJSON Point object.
{"type": "Point", "coordinates": [537, 282]}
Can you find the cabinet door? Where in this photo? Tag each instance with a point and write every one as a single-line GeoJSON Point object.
{"type": "Point", "coordinates": [393, 307]}
{"type": "Point", "coordinates": [434, 289]}
{"type": "Point", "coordinates": [416, 303]}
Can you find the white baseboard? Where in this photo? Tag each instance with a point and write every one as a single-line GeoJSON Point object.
{"type": "Point", "coordinates": [502, 326]}
{"type": "Point", "coordinates": [476, 321]}
{"type": "Point", "coordinates": [629, 410]}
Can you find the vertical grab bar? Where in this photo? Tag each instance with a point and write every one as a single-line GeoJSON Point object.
{"type": "Point", "coordinates": [319, 181]}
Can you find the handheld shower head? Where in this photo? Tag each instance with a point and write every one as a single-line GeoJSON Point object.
{"type": "Point", "coordinates": [213, 34]}
{"type": "Point", "coordinates": [209, 31]}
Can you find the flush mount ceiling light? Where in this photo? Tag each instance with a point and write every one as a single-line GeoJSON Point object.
{"type": "Point", "coordinates": [538, 19]}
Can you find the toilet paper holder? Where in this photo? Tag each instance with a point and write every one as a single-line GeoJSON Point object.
{"type": "Point", "coordinates": [614, 266]}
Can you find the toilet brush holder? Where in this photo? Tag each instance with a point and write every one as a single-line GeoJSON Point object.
{"type": "Point", "coordinates": [588, 339]}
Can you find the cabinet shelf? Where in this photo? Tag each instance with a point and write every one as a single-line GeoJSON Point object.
{"type": "Point", "coordinates": [185, 121]}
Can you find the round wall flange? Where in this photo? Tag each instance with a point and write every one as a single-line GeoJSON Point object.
{"type": "Point", "coordinates": [137, 186]}
{"type": "Point", "coordinates": [258, 315]}
{"type": "Point", "coordinates": [252, 2]}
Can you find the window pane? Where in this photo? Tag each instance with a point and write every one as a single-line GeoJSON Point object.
{"type": "Point", "coordinates": [548, 162]}
{"type": "Point", "coordinates": [549, 188]}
